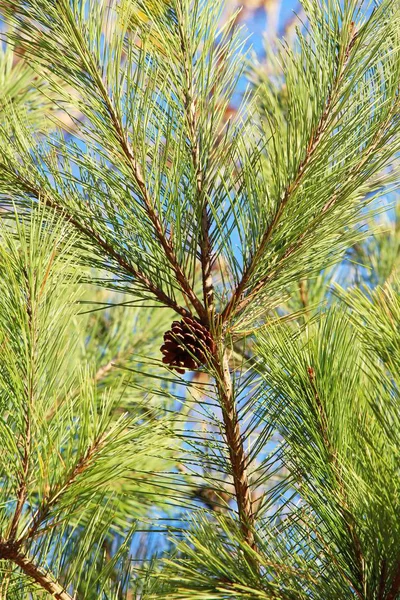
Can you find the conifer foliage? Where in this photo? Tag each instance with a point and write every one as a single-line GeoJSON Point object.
{"type": "Point", "coordinates": [256, 455]}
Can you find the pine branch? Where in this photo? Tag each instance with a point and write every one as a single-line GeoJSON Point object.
{"type": "Point", "coordinates": [235, 304]}
{"type": "Point", "coordinates": [11, 551]}
{"type": "Point", "coordinates": [193, 126]}
{"type": "Point", "coordinates": [348, 519]}
{"type": "Point", "coordinates": [373, 145]}
{"type": "Point", "coordinates": [42, 512]}
{"type": "Point", "coordinates": [223, 378]}
{"type": "Point", "coordinates": [102, 244]}
{"type": "Point", "coordinates": [22, 488]}
{"type": "Point", "coordinates": [266, 226]}
{"type": "Point", "coordinates": [166, 243]}
{"type": "Point", "coordinates": [237, 453]}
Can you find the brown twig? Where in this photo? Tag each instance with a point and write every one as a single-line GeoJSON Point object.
{"type": "Point", "coordinates": [166, 242]}
{"type": "Point", "coordinates": [312, 146]}
{"type": "Point", "coordinates": [42, 512]}
{"type": "Point", "coordinates": [193, 127]}
{"type": "Point", "coordinates": [11, 551]}
{"type": "Point", "coordinates": [109, 250]}
{"type": "Point", "coordinates": [237, 453]}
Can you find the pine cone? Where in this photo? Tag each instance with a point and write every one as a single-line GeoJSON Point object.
{"type": "Point", "coordinates": [186, 345]}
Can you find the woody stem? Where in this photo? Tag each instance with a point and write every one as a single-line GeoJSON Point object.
{"type": "Point", "coordinates": [237, 454]}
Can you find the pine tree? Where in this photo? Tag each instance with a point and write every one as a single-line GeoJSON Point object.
{"type": "Point", "coordinates": [200, 310]}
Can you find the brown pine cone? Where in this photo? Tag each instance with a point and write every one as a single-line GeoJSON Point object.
{"type": "Point", "coordinates": [186, 345]}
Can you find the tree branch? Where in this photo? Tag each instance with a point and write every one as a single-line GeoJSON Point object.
{"type": "Point", "coordinates": [348, 518]}
{"type": "Point", "coordinates": [109, 250]}
{"type": "Point", "coordinates": [237, 455]}
{"type": "Point", "coordinates": [193, 127]}
{"type": "Point", "coordinates": [42, 512]}
{"type": "Point", "coordinates": [134, 165]}
{"type": "Point", "coordinates": [312, 146]}
{"type": "Point", "coordinates": [11, 551]}
{"type": "Point", "coordinates": [377, 139]}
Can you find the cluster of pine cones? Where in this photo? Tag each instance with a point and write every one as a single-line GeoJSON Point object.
{"type": "Point", "coordinates": [187, 345]}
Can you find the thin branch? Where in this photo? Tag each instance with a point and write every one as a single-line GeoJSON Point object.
{"type": "Point", "coordinates": [329, 205]}
{"type": "Point", "coordinates": [348, 518]}
{"type": "Point", "coordinates": [42, 512]}
{"type": "Point", "coordinates": [104, 245]}
{"type": "Point", "coordinates": [313, 144]}
{"type": "Point", "coordinates": [237, 455]}
{"type": "Point", "coordinates": [165, 241]}
{"type": "Point", "coordinates": [193, 126]}
{"type": "Point", "coordinates": [11, 551]}
{"type": "Point", "coordinates": [29, 388]}
{"type": "Point", "coordinates": [128, 268]}
{"type": "Point", "coordinates": [376, 140]}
